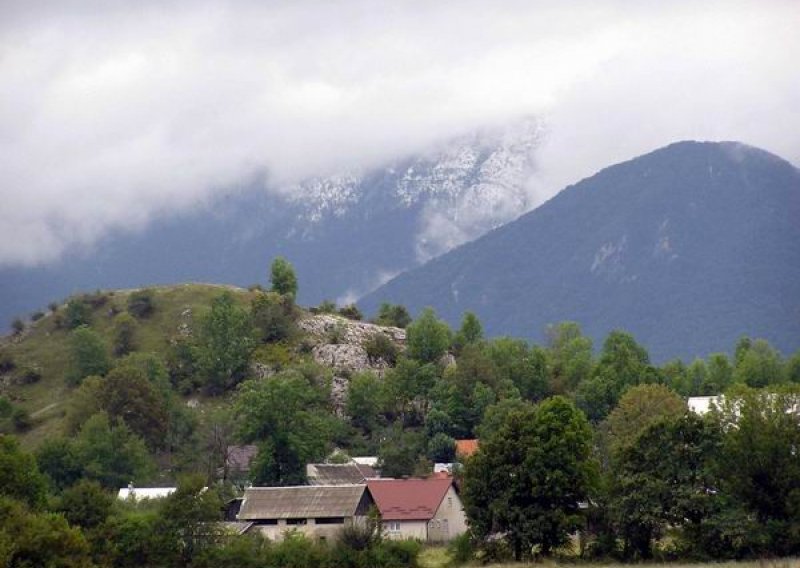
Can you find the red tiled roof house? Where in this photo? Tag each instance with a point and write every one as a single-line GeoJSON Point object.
{"type": "Point", "coordinates": [429, 510]}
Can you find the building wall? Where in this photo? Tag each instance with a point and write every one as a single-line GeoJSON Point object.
{"type": "Point", "coordinates": [416, 530]}
{"type": "Point", "coordinates": [449, 520]}
{"type": "Point", "coordinates": [311, 529]}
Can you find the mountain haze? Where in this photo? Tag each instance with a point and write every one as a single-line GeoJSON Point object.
{"type": "Point", "coordinates": [688, 247]}
{"type": "Point", "coordinates": [345, 233]}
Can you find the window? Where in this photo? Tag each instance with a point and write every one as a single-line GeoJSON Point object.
{"type": "Point", "coordinates": [330, 521]}
{"type": "Point", "coordinates": [296, 521]}
{"type": "Point", "coordinates": [392, 526]}
{"type": "Point", "coordinates": [449, 502]}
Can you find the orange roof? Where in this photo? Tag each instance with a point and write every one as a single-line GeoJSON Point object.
{"type": "Point", "coordinates": [408, 499]}
{"type": "Point", "coordinates": [465, 448]}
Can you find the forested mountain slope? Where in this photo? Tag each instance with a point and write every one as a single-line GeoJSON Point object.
{"type": "Point", "coordinates": [688, 247]}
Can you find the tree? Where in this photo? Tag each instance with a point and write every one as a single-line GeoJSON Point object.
{"type": "Point", "coordinates": [283, 278]}
{"type": "Point", "coordinates": [570, 354]}
{"type": "Point", "coordinates": [111, 454]}
{"type": "Point", "coordinates": [86, 504]}
{"type": "Point", "coordinates": [188, 517]}
{"type": "Point", "coordinates": [394, 315]}
{"type": "Point", "coordinates": [759, 463]}
{"type": "Point", "coordinates": [128, 395]}
{"type": "Point", "coordinates": [471, 331]}
{"type": "Point", "coordinates": [665, 477]}
{"type": "Point", "coordinates": [524, 367]}
{"type": "Point", "coordinates": [528, 478]}
{"type": "Point", "coordinates": [758, 366]}
{"type": "Point", "coordinates": [224, 344]}
{"type": "Point", "coordinates": [19, 476]}
{"type": "Point", "coordinates": [273, 316]}
{"type": "Point", "coordinates": [89, 354]}
{"type": "Point", "coordinates": [124, 334]}
{"type": "Point", "coordinates": [428, 337]}
{"type": "Point", "coordinates": [640, 407]}
{"type": "Point", "coordinates": [399, 451]}
{"type": "Point", "coordinates": [364, 401]}
{"type": "Point", "coordinates": [442, 448]}
{"type": "Point", "coordinates": [720, 375]}
{"type": "Point", "coordinates": [287, 417]}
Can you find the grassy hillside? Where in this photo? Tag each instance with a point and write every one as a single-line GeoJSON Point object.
{"type": "Point", "coordinates": [45, 346]}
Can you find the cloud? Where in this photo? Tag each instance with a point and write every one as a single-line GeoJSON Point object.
{"type": "Point", "coordinates": [112, 113]}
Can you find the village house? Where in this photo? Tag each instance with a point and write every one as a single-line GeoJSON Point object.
{"type": "Point", "coordinates": [317, 511]}
{"type": "Point", "coordinates": [339, 474]}
{"type": "Point", "coordinates": [429, 510]}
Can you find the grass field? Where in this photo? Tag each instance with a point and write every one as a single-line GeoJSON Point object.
{"type": "Point", "coordinates": [437, 557]}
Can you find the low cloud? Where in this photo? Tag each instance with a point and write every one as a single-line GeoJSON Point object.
{"type": "Point", "coordinates": [112, 113]}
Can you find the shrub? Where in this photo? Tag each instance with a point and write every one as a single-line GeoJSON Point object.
{"type": "Point", "coordinates": [37, 315]}
{"type": "Point", "coordinates": [141, 304]}
{"type": "Point", "coordinates": [379, 346]}
{"type": "Point", "coordinates": [17, 326]}
{"type": "Point", "coordinates": [393, 315]}
{"type": "Point", "coordinates": [352, 312]}
{"type": "Point", "coordinates": [336, 334]}
{"type": "Point", "coordinates": [7, 363]}
{"type": "Point", "coordinates": [77, 313]}
{"type": "Point", "coordinates": [53, 307]}
{"type": "Point", "coordinates": [124, 340]}
{"type": "Point", "coordinates": [273, 316]}
{"type": "Point", "coordinates": [21, 419]}
{"type": "Point", "coordinates": [326, 307]}
{"type": "Point", "coordinates": [461, 549]}
{"type": "Point", "coordinates": [96, 299]}
{"type": "Point", "coordinates": [28, 375]}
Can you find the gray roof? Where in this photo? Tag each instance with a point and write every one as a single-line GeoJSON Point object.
{"type": "Point", "coordinates": [338, 474]}
{"type": "Point", "coordinates": [301, 502]}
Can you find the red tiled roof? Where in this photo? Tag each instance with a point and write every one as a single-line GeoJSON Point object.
{"type": "Point", "coordinates": [465, 448]}
{"type": "Point", "coordinates": [408, 499]}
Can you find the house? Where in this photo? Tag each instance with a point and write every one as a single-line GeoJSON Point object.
{"type": "Point", "coordinates": [317, 511]}
{"type": "Point", "coordinates": [429, 509]}
{"type": "Point", "coordinates": [465, 448]}
{"type": "Point", "coordinates": [338, 474]}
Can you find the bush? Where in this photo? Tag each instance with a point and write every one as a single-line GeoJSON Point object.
{"type": "Point", "coordinates": [352, 312]}
{"type": "Point", "coordinates": [461, 549]}
{"type": "Point", "coordinates": [53, 307]}
{"type": "Point", "coordinates": [21, 419]}
{"type": "Point", "coordinates": [96, 299]}
{"type": "Point", "coordinates": [124, 340]}
{"type": "Point", "coordinates": [326, 307]}
{"type": "Point", "coordinates": [273, 316]}
{"type": "Point", "coordinates": [7, 363]}
{"type": "Point", "coordinates": [141, 304]}
{"type": "Point", "coordinates": [28, 376]}
{"type": "Point", "coordinates": [379, 346]}
{"type": "Point", "coordinates": [17, 326]}
{"type": "Point", "coordinates": [336, 334]}
{"type": "Point", "coordinates": [393, 315]}
{"type": "Point", "coordinates": [37, 315]}
{"type": "Point", "coordinates": [77, 313]}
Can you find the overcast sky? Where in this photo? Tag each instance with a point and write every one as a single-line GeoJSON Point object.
{"type": "Point", "coordinates": [113, 112]}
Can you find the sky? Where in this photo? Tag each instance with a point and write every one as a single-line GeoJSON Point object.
{"type": "Point", "coordinates": [113, 113]}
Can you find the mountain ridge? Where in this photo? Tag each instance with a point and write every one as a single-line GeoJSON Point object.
{"type": "Point", "coordinates": [476, 275]}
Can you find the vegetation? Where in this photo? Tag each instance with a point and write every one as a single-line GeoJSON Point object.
{"type": "Point", "coordinates": [569, 440]}
{"type": "Point", "coordinates": [283, 278]}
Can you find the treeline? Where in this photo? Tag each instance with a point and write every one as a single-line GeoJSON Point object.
{"type": "Point", "coordinates": [570, 439]}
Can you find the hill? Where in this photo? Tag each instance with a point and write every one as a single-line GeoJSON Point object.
{"type": "Point", "coordinates": [345, 233]}
{"type": "Point", "coordinates": [688, 247]}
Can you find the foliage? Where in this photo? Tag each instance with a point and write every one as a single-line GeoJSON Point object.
{"type": "Point", "coordinates": [286, 417]}
{"type": "Point", "coordinates": [352, 312]}
{"type": "Point", "coordinates": [380, 347]}
{"type": "Point", "coordinates": [89, 354]}
{"type": "Point", "coordinates": [141, 304]}
{"type": "Point", "coordinates": [428, 337]}
{"type": "Point", "coordinates": [758, 365]}
{"type": "Point", "coordinates": [124, 334]}
{"type": "Point", "coordinates": [394, 315]}
{"type": "Point", "coordinates": [17, 326]}
{"type": "Point", "coordinates": [86, 504]}
{"type": "Point", "coordinates": [224, 343]}
{"type": "Point", "coordinates": [510, 485]}
{"type": "Point", "coordinates": [77, 313]}
{"type": "Point", "coordinates": [20, 478]}
{"type": "Point", "coordinates": [364, 401]}
{"type": "Point", "coordinates": [442, 448]}
{"type": "Point", "coordinates": [283, 278]}
{"type": "Point", "coordinates": [471, 331]}
{"type": "Point", "coordinates": [273, 316]}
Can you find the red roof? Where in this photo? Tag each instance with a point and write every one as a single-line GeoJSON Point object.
{"type": "Point", "coordinates": [465, 448]}
{"type": "Point", "coordinates": [408, 499]}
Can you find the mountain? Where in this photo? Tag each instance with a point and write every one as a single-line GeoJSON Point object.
{"type": "Point", "coordinates": [688, 248]}
{"type": "Point", "coordinates": [345, 234]}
